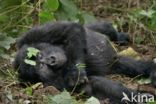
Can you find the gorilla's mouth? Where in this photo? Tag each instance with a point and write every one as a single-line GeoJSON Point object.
{"type": "Point", "coordinates": [54, 68]}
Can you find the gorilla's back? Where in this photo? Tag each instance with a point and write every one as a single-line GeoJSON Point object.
{"type": "Point", "coordinates": [100, 53]}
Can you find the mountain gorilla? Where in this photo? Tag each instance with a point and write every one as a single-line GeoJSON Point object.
{"type": "Point", "coordinates": [72, 54]}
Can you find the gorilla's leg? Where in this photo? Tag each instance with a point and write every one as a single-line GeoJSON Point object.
{"type": "Point", "coordinates": [104, 88]}
{"type": "Point", "coordinates": [131, 67]}
{"type": "Point", "coordinates": [123, 38]}
{"type": "Point", "coordinates": [97, 86]}
{"type": "Point", "coordinates": [106, 28]}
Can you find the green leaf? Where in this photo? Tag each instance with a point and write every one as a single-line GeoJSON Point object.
{"type": "Point", "coordinates": [9, 95]}
{"type": "Point", "coordinates": [67, 11]}
{"type": "Point", "coordinates": [92, 100]}
{"type": "Point", "coordinates": [148, 13]}
{"type": "Point", "coordinates": [144, 81]}
{"type": "Point", "coordinates": [29, 91]}
{"type": "Point", "coordinates": [6, 42]}
{"type": "Point", "coordinates": [32, 52]}
{"type": "Point", "coordinates": [46, 16]}
{"type": "Point", "coordinates": [30, 62]}
{"type": "Point", "coordinates": [138, 39]}
{"type": "Point", "coordinates": [81, 66]}
{"type": "Point", "coordinates": [63, 98]}
{"type": "Point", "coordinates": [3, 18]}
{"type": "Point", "coordinates": [69, 7]}
{"type": "Point", "coordinates": [52, 5]}
{"type": "Point", "coordinates": [88, 18]}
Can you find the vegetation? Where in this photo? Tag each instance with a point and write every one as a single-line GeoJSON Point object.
{"type": "Point", "coordinates": [20, 15]}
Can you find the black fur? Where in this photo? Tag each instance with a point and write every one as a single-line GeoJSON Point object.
{"type": "Point", "coordinates": [78, 45]}
{"type": "Point", "coordinates": [106, 28]}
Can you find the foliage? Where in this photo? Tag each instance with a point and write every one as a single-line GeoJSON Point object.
{"type": "Point", "coordinates": [65, 98]}
{"type": "Point", "coordinates": [81, 66]}
{"type": "Point", "coordinates": [19, 15]}
{"type": "Point", "coordinates": [145, 19]}
{"type": "Point", "coordinates": [5, 43]}
{"type": "Point", "coordinates": [92, 100]}
{"type": "Point", "coordinates": [141, 23]}
{"type": "Point", "coordinates": [144, 81]}
{"type": "Point", "coordinates": [64, 10]}
{"type": "Point", "coordinates": [29, 91]}
{"type": "Point", "coordinates": [32, 52]}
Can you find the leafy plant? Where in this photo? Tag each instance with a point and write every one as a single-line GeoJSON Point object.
{"type": "Point", "coordinates": [144, 81]}
{"type": "Point", "coordinates": [32, 52]}
{"type": "Point", "coordinates": [64, 10]}
{"type": "Point", "coordinates": [29, 91]}
{"type": "Point", "coordinates": [19, 15]}
{"type": "Point", "coordinates": [48, 9]}
{"type": "Point", "coordinates": [92, 100]}
{"type": "Point", "coordinates": [5, 44]}
{"type": "Point", "coordinates": [63, 98]}
{"type": "Point", "coordinates": [81, 66]}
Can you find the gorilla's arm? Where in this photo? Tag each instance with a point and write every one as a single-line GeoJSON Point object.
{"type": "Point", "coordinates": [27, 73]}
{"type": "Point", "coordinates": [104, 88]}
{"type": "Point", "coordinates": [71, 36]}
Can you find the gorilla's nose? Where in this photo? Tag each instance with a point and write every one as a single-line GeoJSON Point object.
{"type": "Point", "coordinates": [52, 60]}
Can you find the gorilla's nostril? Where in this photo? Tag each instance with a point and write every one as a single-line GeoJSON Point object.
{"type": "Point", "coordinates": [53, 59]}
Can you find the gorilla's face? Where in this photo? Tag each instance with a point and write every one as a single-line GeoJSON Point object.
{"type": "Point", "coordinates": [52, 56]}
{"type": "Point", "coordinates": [49, 62]}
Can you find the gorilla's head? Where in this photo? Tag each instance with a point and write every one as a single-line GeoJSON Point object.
{"type": "Point", "coordinates": [49, 60]}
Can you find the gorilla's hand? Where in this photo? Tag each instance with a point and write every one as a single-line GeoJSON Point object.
{"type": "Point", "coordinates": [74, 76]}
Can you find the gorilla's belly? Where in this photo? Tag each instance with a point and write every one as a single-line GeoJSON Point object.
{"type": "Point", "coordinates": [100, 53]}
